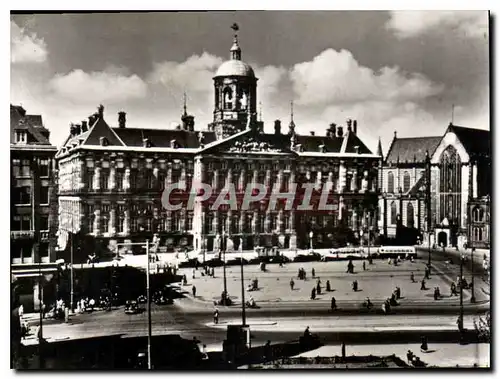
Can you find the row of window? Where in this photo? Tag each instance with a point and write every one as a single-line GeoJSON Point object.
{"type": "Point", "coordinates": [406, 182]}
{"type": "Point", "coordinates": [24, 223]}
{"type": "Point", "coordinates": [22, 168]}
{"type": "Point", "coordinates": [148, 224]}
{"type": "Point", "coordinates": [22, 195]}
{"type": "Point", "coordinates": [410, 214]}
{"type": "Point", "coordinates": [24, 250]}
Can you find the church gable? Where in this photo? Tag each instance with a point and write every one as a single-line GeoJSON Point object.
{"type": "Point", "coordinates": [250, 142]}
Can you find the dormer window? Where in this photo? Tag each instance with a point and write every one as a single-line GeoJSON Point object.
{"type": "Point", "coordinates": [21, 136]}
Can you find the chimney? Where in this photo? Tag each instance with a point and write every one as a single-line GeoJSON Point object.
{"type": "Point", "coordinates": [355, 126]}
{"type": "Point", "coordinates": [321, 148]}
{"type": "Point", "coordinates": [84, 126]}
{"type": "Point", "coordinates": [395, 134]}
{"type": "Point", "coordinates": [146, 143]}
{"type": "Point", "coordinates": [103, 141]}
{"type": "Point", "coordinates": [349, 123]}
{"type": "Point", "coordinates": [91, 120]}
{"type": "Point", "coordinates": [100, 111]}
{"type": "Point", "coordinates": [330, 132]}
{"type": "Point", "coordinates": [312, 133]}
{"type": "Point", "coordinates": [340, 131]}
{"type": "Point", "coordinates": [78, 129]}
{"type": "Point", "coordinates": [277, 127]}
{"type": "Point", "coordinates": [356, 148]}
{"type": "Point", "coordinates": [122, 120]}
{"type": "Point", "coordinates": [173, 144]}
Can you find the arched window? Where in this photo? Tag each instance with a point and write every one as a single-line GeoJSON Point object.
{"type": "Point", "coordinates": [390, 182]}
{"type": "Point", "coordinates": [410, 216]}
{"type": "Point", "coordinates": [478, 214]}
{"type": "Point", "coordinates": [394, 213]}
{"type": "Point", "coordinates": [406, 182]}
{"type": "Point", "coordinates": [228, 97]}
{"type": "Point", "coordinates": [450, 184]}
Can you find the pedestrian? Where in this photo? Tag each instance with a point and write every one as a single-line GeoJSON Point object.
{"type": "Point", "coordinates": [299, 274]}
{"type": "Point", "coordinates": [333, 304]}
{"type": "Point", "coordinates": [328, 288]}
{"type": "Point", "coordinates": [424, 346]}
{"type": "Point", "coordinates": [318, 288]}
{"type": "Point", "coordinates": [194, 273]}
{"type": "Point", "coordinates": [292, 283]}
{"type": "Point", "coordinates": [313, 294]}
{"type": "Point", "coordinates": [313, 272]}
{"type": "Point", "coordinates": [364, 266]}
{"type": "Point", "coordinates": [343, 351]}
{"type": "Point", "coordinates": [216, 316]}
{"type": "Point", "coordinates": [412, 277]}
{"type": "Point", "coordinates": [194, 291]}
{"type": "Point", "coordinates": [422, 285]}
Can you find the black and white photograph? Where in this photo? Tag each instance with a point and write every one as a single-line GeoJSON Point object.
{"type": "Point", "coordinates": [257, 190]}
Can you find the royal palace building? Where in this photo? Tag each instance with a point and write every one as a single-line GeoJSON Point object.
{"type": "Point", "coordinates": [458, 167]}
{"type": "Point", "coordinates": [113, 179]}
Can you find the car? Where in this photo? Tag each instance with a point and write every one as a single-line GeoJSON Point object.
{"type": "Point", "coordinates": [236, 261]}
{"type": "Point", "coordinates": [310, 257]}
{"type": "Point", "coordinates": [132, 308]}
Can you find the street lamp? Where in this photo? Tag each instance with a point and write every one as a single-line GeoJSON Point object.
{"type": "Point", "coordinates": [243, 311]}
{"type": "Point", "coordinates": [223, 250]}
{"type": "Point", "coordinates": [147, 292]}
{"type": "Point", "coordinates": [461, 316]}
{"type": "Point", "coordinates": [473, 297]}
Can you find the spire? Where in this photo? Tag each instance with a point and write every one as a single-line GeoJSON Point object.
{"type": "Point", "coordinates": [292, 124]}
{"type": "Point", "coordinates": [235, 49]}
{"type": "Point", "coordinates": [185, 105]}
{"type": "Point", "coordinates": [379, 148]}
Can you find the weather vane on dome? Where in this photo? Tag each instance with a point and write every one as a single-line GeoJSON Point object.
{"type": "Point", "coordinates": [235, 27]}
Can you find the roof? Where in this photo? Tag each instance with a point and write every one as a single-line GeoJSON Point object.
{"type": "Point", "coordinates": [475, 141]}
{"type": "Point", "coordinates": [235, 67]}
{"type": "Point", "coordinates": [411, 149]}
{"type": "Point", "coordinates": [33, 124]}
{"type": "Point", "coordinates": [162, 137]}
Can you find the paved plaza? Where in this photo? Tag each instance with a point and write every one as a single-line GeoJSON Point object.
{"type": "Point", "coordinates": [377, 282]}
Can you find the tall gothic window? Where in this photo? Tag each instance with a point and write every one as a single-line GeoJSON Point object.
{"type": "Point", "coordinates": [390, 182]}
{"type": "Point", "coordinates": [410, 215]}
{"type": "Point", "coordinates": [450, 185]}
{"type": "Point", "coordinates": [478, 214]}
{"type": "Point", "coordinates": [394, 213]}
{"type": "Point", "coordinates": [406, 182]}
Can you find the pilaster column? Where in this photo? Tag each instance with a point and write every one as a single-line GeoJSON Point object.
{"type": "Point", "coordinates": [255, 176]}
{"type": "Point", "coordinates": [341, 208]}
{"type": "Point", "coordinates": [280, 179]}
{"type": "Point", "coordinates": [169, 173]}
{"type": "Point", "coordinates": [126, 179]}
{"type": "Point", "coordinates": [229, 177]}
{"type": "Point", "coordinates": [216, 222]}
{"type": "Point", "coordinates": [242, 221]}
{"type": "Point", "coordinates": [112, 220]}
{"type": "Point", "coordinates": [168, 225]}
{"type": "Point", "coordinates": [267, 222]}
{"type": "Point", "coordinates": [81, 174]}
{"type": "Point", "coordinates": [156, 176]}
{"type": "Point", "coordinates": [182, 180]}
{"type": "Point", "coordinates": [229, 222]}
{"type": "Point", "coordinates": [292, 221]}
{"type": "Point", "coordinates": [242, 179]}
{"type": "Point", "coordinates": [267, 182]}
{"type": "Point", "coordinates": [112, 176]}
{"type": "Point", "coordinates": [254, 221]}
{"type": "Point", "coordinates": [280, 221]}
{"type": "Point", "coordinates": [364, 182]}
{"type": "Point", "coordinates": [215, 183]}
{"type": "Point", "coordinates": [354, 180]}
{"type": "Point", "coordinates": [126, 221]}
{"type": "Point", "coordinates": [97, 178]}
{"type": "Point", "coordinates": [97, 220]}
{"type": "Point", "coordinates": [342, 177]}
{"type": "Point", "coordinates": [182, 220]}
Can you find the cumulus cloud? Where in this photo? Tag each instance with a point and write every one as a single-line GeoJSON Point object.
{"type": "Point", "coordinates": [194, 74]}
{"type": "Point", "coordinates": [336, 77]}
{"type": "Point", "coordinates": [26, 47]}
{"type": "Point", "coordinates": [94, 87]}
{"type": "Point", "coordinates": [407, 24]}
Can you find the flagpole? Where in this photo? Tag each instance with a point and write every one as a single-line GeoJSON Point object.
{"type": "Point", "coordinates": [71, 279]}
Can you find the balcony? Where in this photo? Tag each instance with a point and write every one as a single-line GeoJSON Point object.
{"type": "Point", "coordinates": [22, 234]}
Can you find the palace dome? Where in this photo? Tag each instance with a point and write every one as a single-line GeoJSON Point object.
{"type": "Point", "coordinates": [235, 67]}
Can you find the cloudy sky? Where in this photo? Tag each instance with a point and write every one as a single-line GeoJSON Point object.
{"type": "Point", "coordinates": [389, 70]}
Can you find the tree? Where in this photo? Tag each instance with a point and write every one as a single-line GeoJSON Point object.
{"type": "Point", "coordinates": [483, 327]}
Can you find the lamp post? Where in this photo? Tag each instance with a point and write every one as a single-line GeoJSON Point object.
{"type": "Point", "coordinates": [461, 316]}
{"type": "Point", "coordinates": [223, 249]}
{"type": "Point", "coordinates": [473, 297]}
{"type": "Point", "coordinates": [243, 311]}
{"type": "Point", "coordinates": [40, 301]}
{"type": "Point", "coordinates": [428, 202]}
{"type": "Point", "coordinates": [311, 235]}
{"type": "Point", "coordinates": [148, 300]}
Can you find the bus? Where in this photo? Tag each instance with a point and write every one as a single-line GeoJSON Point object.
{"type": "Point", "coordinates": [404, 252]}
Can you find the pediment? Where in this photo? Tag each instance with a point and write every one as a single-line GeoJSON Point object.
{"type": "Point", "coordinates": [253, 143]}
